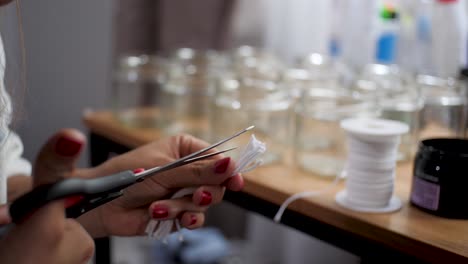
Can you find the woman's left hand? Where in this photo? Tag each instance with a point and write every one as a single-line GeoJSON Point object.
{"type": "Point", "coordinates": [129, 214]}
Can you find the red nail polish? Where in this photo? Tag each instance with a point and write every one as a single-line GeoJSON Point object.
{"type": "Point", "coordinates": [193, 219]}
{"type": "Point", "coordinates": [73, 200]}
{"type": "Point", "coordinates": [68, 147]}
{"type": "Point", "coordinates": [205, 198]}
{"type": "Point", "coordinates": [136, 171]}
{"type": "Point", "coordinates": [222, 165]}
{"type": "Point", "coordinates": [160, 212]}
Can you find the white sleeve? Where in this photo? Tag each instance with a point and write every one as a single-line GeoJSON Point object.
{"type": "Point", "coordinates": [11, 162]}
{"type": "Point", "coordinates": [12, 152]}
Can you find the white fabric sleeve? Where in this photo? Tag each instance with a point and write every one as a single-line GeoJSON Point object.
{"type": "Point", "coordinates": [12, 163]}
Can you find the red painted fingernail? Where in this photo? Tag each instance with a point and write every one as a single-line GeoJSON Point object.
{"type": "Point", "coordinates": [160, 212]}
{"type": "Point", "coordinates": [73, 200]}
{"type": "Point", "coordinates": [222, 165]}
{"type": "Point", "coordinates": [138, 170]}
{"type": "Point", "coordinates": [205, 198]}
{"type": "Point", "coordinates": [193, 219]}
{"type": "Point", "coordinates": [68, 147]}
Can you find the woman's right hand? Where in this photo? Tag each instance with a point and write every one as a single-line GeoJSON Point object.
{"type": "Point", "coordinates": [47, 236]}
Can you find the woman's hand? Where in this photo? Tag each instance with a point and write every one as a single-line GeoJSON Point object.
{"type": "Point", "coordinates": [129, 214]}
{"type": "Point", "coordinates": [47, 236]}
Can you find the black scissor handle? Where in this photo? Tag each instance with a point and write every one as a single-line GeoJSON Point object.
{"type": "Point", "coordinates": [94, 192]}
{"type": "Point", "coordinates": [80, 206]}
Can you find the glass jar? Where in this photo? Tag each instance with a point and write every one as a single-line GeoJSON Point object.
{"type": "Point", "coordinates": [445, 107]}
{"type": "Point", "coordinates": [186, 94]}
{"type": "Point", "coordinates": [247, 61]}
{"type": "Point", "coordinates": [397, 96]}
{"type": "Point", "coordinates": [136, 90]}
{"type": "Point", "coordinates": [327, 71]}
{"type": "Point", "coordinates": [244, 101]}
{"type": "Point", "coordinates": [320, 143]}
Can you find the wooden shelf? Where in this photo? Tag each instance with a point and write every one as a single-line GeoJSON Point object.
{"type": "Point", "coordinates": [410, 230]}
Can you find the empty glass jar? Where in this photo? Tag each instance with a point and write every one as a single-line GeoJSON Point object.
{"type": "Point", "coordinates": [136, 90]}
{"type": "Point", "coordinates": [445, 107]}
{"type": "Point", "coordinates": [247, 61]}
{"type": "Point", "coordinates": [319, 140]}
{"type": "Point", "coordinates": [243, 101]}
{"type": "Point", "coordinates": [326, 71]}
{"type": "Point", "coordinates": [186, 94]}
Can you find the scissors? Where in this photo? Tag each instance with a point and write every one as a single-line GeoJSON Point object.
{"type": "Point", "coordinates": [83, 195]}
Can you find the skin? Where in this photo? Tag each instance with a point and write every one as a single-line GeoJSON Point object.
{"type": "Point", "coordinates": [49, 237]}
{"type": "Point", "coordinates": [125, 216]}
{"type": "Point", "coordinates": [129, 214]}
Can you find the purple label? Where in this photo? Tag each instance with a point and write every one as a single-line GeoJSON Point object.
{"type": "Point", "coordinates": [425, 194]}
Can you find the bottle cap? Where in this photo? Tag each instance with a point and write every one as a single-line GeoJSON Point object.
{"type": "Point", "coordinates": [388, 12]}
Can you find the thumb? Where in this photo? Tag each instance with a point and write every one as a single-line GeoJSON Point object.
{"type": "Point", "coordinates": [57, 158]}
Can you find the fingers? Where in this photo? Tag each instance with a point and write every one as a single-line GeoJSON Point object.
{"type": "Point", "coordinates": [188, 144]}
{"type": "Point", "coordinates": [65, 242]}
{"type": "Point", "coordinates": [208, 195]}
{"type": "Point", "coordinates": [213, 171]}
{"type": "Point", "coordinates": [206, 172]}
{"type": "Point", "coordinates": [55, 161]}
{"type": "Point", "coordinates": [235, 183]}
{"type": "Point", "coordinates": [202, 198]}
{"type": "Point", "coordinates": [46, 234]}
{"type": "Point", "coordinates": [58, 156]}
{"type": "Point", "coordinates": [192, 220]}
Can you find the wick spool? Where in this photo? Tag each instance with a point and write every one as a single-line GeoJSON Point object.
{"type": "Point", "coordinates": [370, 167]}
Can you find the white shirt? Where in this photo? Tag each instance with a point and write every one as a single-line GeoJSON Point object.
{"type": "Point", "coordinates": [11, 147]}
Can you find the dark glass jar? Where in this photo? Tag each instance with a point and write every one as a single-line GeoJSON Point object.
{"type": "Point", "coordinates": [440, 177]}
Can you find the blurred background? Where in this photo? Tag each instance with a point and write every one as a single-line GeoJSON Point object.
{"type": "Point", "coordinates": [317, 61]}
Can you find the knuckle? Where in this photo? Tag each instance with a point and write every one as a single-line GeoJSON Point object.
{"type": "Point", "coordinates": [198, 172]}
{"type": "Point", "coordinates": [181, 139]}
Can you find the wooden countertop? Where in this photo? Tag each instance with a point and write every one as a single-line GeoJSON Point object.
{"type": "Point", "coordinates": [409, 230]}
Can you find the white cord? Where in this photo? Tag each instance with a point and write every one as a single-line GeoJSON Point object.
{"type": "Point", "coordinates": [248, 161]}
{"type": "Point", "coordinates": [305, 194]}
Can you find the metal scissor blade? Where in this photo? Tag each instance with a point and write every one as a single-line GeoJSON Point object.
{"type": "Point", "coordinates": [173, 165]}
{"type": "Point", "coordinates": [187, 161]}
{"type": "Point", "coordinates": [218, 143]}
{"type": "Point", "coordinates": [181, 161]}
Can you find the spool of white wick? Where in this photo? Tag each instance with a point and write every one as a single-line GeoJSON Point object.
{"type": "Point", "coordinates": [370, 167]}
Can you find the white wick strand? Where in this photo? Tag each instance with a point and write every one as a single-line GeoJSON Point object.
{"type": "Point", "coordinates": [301, 195]}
